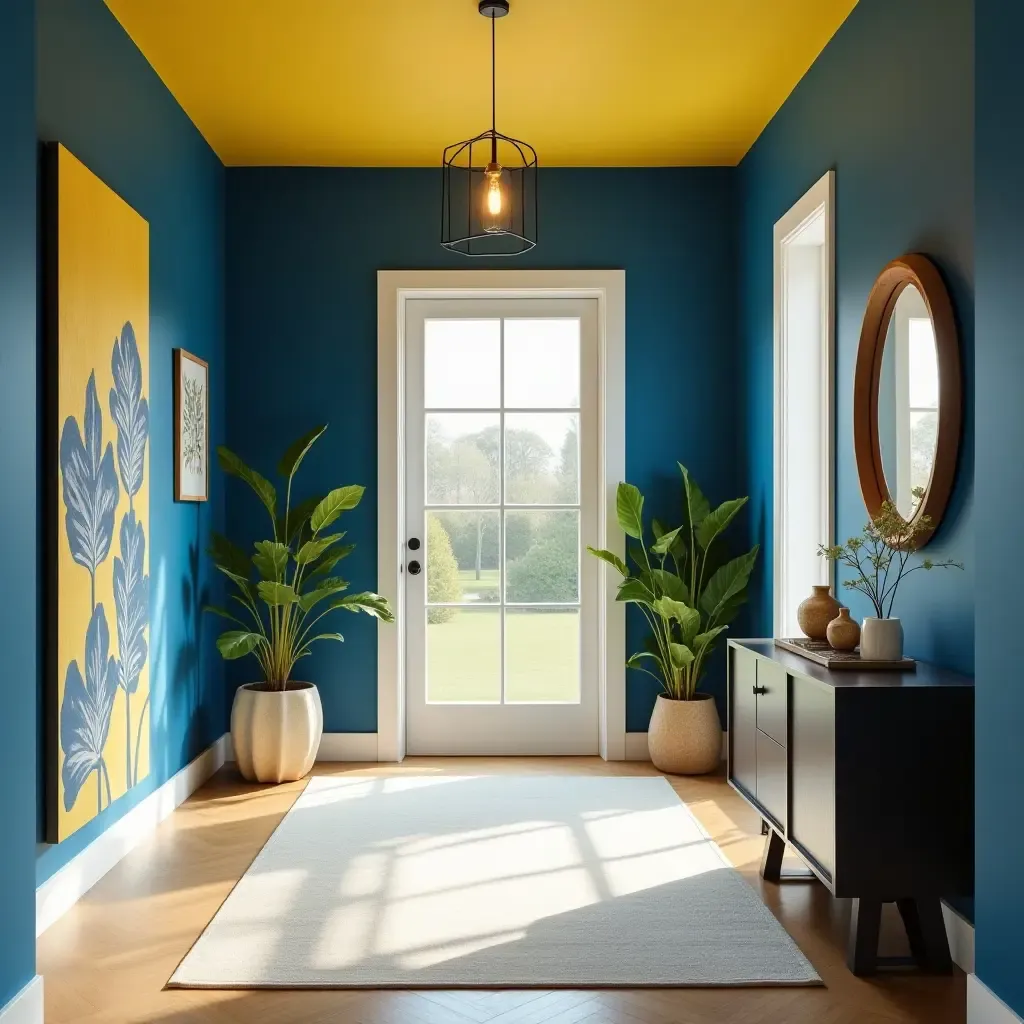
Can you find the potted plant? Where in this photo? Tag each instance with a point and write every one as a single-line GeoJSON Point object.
{"type": "Point", "coordinates": [880, 560]}
{"type": "Point", "coordinates": [689, 592]}
{"type": "Point", "coordinates": [277, 722]}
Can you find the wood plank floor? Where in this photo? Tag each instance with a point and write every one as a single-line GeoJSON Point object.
{"type": "Point", "coordinates": [109, 958]}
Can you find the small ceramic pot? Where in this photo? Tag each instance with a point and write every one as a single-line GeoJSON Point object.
{"type": "Point", "coordinates": [843, 632]}
{"type": "Point", "coordinates": [276, 733]}
{"type": "Point", "coordinates": [816, 612]}
{"type": "Point", "coordinates": [881, 640]}
{"type": "Point", "coordinates": [685, 736]}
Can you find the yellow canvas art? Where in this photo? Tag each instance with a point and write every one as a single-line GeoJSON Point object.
{"type": "Point", "coordinates": [98, 308]}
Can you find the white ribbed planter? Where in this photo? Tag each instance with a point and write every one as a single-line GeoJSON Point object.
{"type": "Point", "coordinates": [276, 733]}
{"type": "Point", "coordinates": [685, 736]}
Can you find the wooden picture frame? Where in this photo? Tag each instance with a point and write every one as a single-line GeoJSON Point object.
{"type": "Point", "coordinates": [919, 271]}
{"type": "Point", "coordinates": [191, 427]}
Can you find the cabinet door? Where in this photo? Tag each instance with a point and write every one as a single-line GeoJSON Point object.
{"type": "Point", "coordinates": [773, 700]}
{"type": "Point", "coordinates": [743, 719]}
{"type": "Point", "coordinates": [772, 789]}
{"type": "Point", "coordinates": [813, 756]}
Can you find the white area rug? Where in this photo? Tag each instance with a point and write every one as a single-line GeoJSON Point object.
{"type": "Point", "coordinates": [491, 881]}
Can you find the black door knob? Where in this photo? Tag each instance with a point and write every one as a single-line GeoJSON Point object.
{"type": "Point", "coordinates": [415, 568]}
{"type": "Point", "coordinates": [414, 543]}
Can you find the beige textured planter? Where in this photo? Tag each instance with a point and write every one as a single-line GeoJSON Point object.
{"type": "Point", "coordinates": [685, 736]}
{"type": "Point", "coordinates": [276, 733]}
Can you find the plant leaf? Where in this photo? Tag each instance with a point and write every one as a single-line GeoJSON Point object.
{"type": "Point", "coordinates": [703, 640]}
{"type": "Point", "coordinates": [271, 558]}
{"type": "Point", "coordinates": [629, 507]}
{"type": "Point", "coordinates": [329, 587]}
{"type": "Point", "coordinates": [681, 655]}
{"type": "Point", "coordinates": [131, 603]}
{"type": "Point", "coordinates": [234, 466]}
{"type": "Point", "coordinates": [324, 568]}
{"type": "Point", "coordinates": [237, 643]}
{"type": "Point", "coordinates": [242, 583]}
{"type": "Point", "coordinates": [325, 636]}
{"type": "Point", "coordinates": [90, 487]}
{"type": "Point", "coordinates": [611, 558]}
{"type": "Point", "coordinates": [715, 522]}
{"type": "Point", "coordinates": [664, 543]}
{"type": "Point", "coordinates": [687, 617]}
{"type": "Point", "coordinates": [372, 604]}
{"type": "Point", "coordinates": [671, 585]}
{"type": "Point", "coordinates": [214, 609]}
{"type": "Point", "coordinates": [697, 506]}
{"type": "Point", "coordinates": [313, 549]}
{"type": "Point", "coordinates": [228, 555]}
{"type": "Point", "coordinates": [292, 459]}
{"type": "Point", "coordinates": [341, 499]}
{"type": "Point", "coordinates": [297, 518]}
{"type": "Point", "coordinates": [633, 590]}
{"type": "Point", "coordinates": [276, 594]}
{"type": "Point", "coordinates": [129, 410]}
{"type": "Point", "coordinates": [728, 582]}
{"type": "Point", "coordinates": [635, 661]}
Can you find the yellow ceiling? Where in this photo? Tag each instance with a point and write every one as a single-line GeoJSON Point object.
{"type": "Point", "coordinates": [392, 82]}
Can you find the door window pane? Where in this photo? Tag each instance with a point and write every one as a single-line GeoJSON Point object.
{"type": "Point", "coordinates": [462, 364]}
{"type": "Point", "coordinates": [462, 458]}
{"type": "Point", "coordinates": [542, 556]}
{"type": "Point", "coordinates": [464, 655]}
{"type": "Point", "coordinates": [462, 557]}
{"type": "Point", "coordinates": [542, 364]}
{"type": "Point", "coordinates": [542, 458]}
{"type": "Point", "coordinates": [542, 655]}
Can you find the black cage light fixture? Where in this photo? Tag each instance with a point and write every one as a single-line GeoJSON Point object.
{"type": "Point", "coordinates": [489, 195]}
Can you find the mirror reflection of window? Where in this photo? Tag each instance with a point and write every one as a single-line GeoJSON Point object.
{"type": "Point", "coordinates": [908, 401]}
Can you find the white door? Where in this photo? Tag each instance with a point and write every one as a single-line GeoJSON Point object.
{"type": "Point", "coordinates": [501, 478]}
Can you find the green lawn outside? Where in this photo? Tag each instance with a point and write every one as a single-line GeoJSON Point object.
{"type": "Point", "coordinates": [486, 588]}
{"type": "Point", "coordinates": [541, 650]}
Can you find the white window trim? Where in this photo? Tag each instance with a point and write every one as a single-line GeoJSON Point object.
{"type": "Point", "coordinates": [394, 289]}
{"type": "Point", "coordinates": [820, 197]}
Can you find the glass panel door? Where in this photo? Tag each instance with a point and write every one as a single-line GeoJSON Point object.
{"type": "Point", "coordinates": [500, 479]}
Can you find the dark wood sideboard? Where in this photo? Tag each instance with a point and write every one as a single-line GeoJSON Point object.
{"type": "Point", "coordinates": [869, 777]}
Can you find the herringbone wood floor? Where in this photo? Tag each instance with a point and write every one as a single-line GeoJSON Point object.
{"type": "Point", "coordinates": [109, 958]}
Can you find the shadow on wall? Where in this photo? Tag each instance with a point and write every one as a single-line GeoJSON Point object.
{"type": "Point", "coordinates": [188, 663]}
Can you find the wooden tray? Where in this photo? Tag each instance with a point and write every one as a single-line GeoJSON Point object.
{"type": "Point", "coordinates": [821, 653]}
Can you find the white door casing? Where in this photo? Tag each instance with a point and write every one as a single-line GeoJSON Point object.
{"type": "Point", "coordinates": [396, 290]}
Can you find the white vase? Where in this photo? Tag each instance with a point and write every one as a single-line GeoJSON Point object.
{"type": "Point", "coordinates": [685, 736]}
{"type": "Point", "coordinates": [881, 640]}
{"type": "Point", "coordinates": [276, 733]}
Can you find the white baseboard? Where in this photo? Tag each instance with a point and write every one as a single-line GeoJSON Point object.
{"type": "Point", "coordinates": [334, 746]}
{"type": "Point", "coordinates": [27, 1006]}
{"type": "Point", "coordinates": [985, 1007]}
{"type": "Point", "coordinates": [960, 933]}
{"type": "Point", "coordinates": [636, 746]}
{"type": "Point", "coordinates": [67, 885]}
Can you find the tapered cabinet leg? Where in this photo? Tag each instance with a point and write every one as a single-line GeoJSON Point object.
{"type": "Point", "coordinates": [865, 924]}
{"type": "Point", "coordinates": [926, 931]}
{"type": "Point", "coordinates": [771, 858]}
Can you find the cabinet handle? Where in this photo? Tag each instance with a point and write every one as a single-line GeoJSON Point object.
{"type": "Point", "coordinates": [760, 689]}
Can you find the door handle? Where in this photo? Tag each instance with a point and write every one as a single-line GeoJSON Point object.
{"type": "Point", "coordinates": [415, 568]}
{"type": "Point", "coordinates": [760, 689]}
{"type": "Point", "coordinates": [414, 543]}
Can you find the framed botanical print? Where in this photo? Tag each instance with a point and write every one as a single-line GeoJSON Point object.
{"type": "Point", "coordinates": [191, 427]}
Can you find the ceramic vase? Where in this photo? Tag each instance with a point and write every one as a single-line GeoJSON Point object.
{"type": "Point", "coordinates": [843, 632]}
{"type": "Point", "coordinates": [816, 612]}
{"type": "Point", "coordinates": [881, 640]}
{"type": "Point", "coordinates": [685, 736]}
{"type": "Point", "coordinates": [276, 733]}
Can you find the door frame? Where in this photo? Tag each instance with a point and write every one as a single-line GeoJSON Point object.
{"type": "Point", "coordinates": [394, 289]}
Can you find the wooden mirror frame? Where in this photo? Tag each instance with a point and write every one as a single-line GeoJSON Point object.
{"type": "Point", "coordinates": [917, 270]}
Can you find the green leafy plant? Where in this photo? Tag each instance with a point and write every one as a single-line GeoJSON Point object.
{"type": "Point", "coordinates": [880, 556]}
{"type": "Point", "coordinates": [685, 590]}
{"type": "Point", "coordinates": [294, 587]}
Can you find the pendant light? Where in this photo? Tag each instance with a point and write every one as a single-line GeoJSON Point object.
{"type": "Point", "coordinates": [489, 195]}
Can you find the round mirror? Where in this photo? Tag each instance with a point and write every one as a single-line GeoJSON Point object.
{"type": "Point", "coordinates": [907, 395]}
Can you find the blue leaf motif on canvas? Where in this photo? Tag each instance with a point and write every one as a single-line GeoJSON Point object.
{"type": "Point", "coordinates": [90, 484]}
{"type": "Point", "coordinates": [129, 410]}
{"type": "Point", "coordinates": [85, 711]}
{"type": "Point", "coordinates": [131, 603]}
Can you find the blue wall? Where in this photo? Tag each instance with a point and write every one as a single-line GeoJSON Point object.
{"type": "Point", "coordinates": [99, 96]}
{"type": "Point", "coordinates": [19, 509]}
{"type": "Point", "coordinates": [304, 246]}
{"type": "Point", "coordinates": [889, 105]}
{"type": "Point", "coordinates": [999, 153]}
